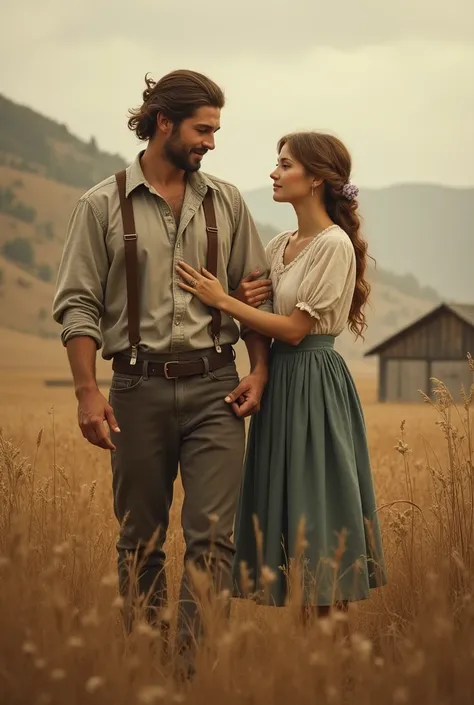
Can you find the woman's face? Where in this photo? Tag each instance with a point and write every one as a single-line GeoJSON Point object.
{"type": "Point", "coordinates": [291, 183]}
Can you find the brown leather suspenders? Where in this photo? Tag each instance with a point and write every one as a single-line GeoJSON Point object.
{"type": "Point", "coordinates": [131, 264]}
{"type": "Point", "coordinates": [211, 265]}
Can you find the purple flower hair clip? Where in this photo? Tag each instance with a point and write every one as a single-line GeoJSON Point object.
{"type": "Point", "coordinates": [350, 191]}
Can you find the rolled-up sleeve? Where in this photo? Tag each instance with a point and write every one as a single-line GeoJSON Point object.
{"type": "Point", "coordinates": [248, 252]}
{"type": "Point", "coordinates": [78, 303]}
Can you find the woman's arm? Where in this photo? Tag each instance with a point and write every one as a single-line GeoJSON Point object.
{"type": "Point", "coordinates": [332, 275]}
{"type": "Point", "coordinates": [289, 329]}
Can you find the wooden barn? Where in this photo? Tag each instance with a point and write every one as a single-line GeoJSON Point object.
{"type": "Point", "coordinates": [435, 345]}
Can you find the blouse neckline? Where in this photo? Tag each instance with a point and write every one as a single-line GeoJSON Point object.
{"type": "Point", "coordinates": [282, 267]}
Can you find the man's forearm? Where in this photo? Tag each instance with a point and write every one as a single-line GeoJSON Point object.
{"type": "Point", "coordinates": [81, 352]}
{"type": "Point", "coordinates": [258, 346]}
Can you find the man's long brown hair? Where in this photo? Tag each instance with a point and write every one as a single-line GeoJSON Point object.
{"type": "Point", "coordinates": [177, 96]}
{"type": "Point", "coordinates": [326, 157]}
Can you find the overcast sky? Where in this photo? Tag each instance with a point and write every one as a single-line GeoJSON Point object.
{"type": "Point", "coordinates": [394, 80]}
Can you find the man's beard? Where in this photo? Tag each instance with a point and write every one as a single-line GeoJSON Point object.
{"type": "Point", "coordinates": [179, 156]}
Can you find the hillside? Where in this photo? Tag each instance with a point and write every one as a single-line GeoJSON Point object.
{"type": "Point", "coordinates": [35, 143]}
{"type": "Point", "coordinates": [40, 180]}
{"type": "Point", "coordinates": [423, 230]}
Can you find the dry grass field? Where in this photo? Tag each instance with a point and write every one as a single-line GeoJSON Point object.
{"type": "Point", "coordinates": [61, 640]}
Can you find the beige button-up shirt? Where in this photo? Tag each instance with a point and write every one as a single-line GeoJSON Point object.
{"type": "Point", "coordinates": [90, 296]}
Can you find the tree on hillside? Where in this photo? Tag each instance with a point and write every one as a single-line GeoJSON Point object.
{"type": "Point", "coordinates": [45, 230]}
{"type": "Point", "coordinates": [19, 250]}
{"type": "Point", "coordinates": [92, 146]}
{"type": "Point", "coordinates": [45, 272]}
{"type": "Point", "coordinates": [7, 197]}
{"type": "Point", "coordinates": [10, 205]}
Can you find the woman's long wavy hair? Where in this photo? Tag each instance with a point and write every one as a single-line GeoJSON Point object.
{"type": "Point", "coordinates": [325, 157]}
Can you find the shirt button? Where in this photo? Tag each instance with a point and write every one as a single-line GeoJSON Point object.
{"type": "Point", "coordinates": [177, 322]}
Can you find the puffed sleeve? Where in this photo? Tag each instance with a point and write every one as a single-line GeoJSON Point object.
{"type": "Point", "coordinates": [328, 277]}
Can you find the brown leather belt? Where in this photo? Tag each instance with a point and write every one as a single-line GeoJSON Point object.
{"type": "Point", "coordinates": [172, 368]}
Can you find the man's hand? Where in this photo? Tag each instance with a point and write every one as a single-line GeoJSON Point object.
{"type": "Point", "coordinates": [253, 291]}
{"type": "Point", "coordinates": [93, 409]}
{"type": "Point", "coordinates": [246, 397]}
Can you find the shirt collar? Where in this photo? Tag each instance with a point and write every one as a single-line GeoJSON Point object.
{"type": "Point", "coordinates": [198, 180]}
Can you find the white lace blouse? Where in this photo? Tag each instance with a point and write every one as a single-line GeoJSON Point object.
{"type": "Point", "coordinates": [320, 280]}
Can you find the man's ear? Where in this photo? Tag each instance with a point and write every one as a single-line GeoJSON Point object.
{"type": "Point", "coordinates": [163, 124]}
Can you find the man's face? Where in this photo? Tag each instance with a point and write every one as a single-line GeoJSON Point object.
{"type": "Point", "coordinates": [186, 145]}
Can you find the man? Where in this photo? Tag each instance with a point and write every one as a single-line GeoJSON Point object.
{"type": "Point", "coordinates": [175, 396]}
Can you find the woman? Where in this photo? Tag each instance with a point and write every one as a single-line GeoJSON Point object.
{"type": "Point", "coordinates": [307, 462]}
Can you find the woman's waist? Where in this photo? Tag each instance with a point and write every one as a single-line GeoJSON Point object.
{"type": "Point", "coordinates": [311, 342]}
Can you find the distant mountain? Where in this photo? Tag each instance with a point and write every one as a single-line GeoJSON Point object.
{"type": "Point", "coordinates": [422, 230]}
{"type": "Point", "coordinates": [43, 171]}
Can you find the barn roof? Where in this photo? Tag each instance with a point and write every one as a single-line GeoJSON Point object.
{"type": "Point", "coordinates": [463, 311]}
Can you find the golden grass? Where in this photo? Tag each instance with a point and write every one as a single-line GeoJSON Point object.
{"type": "Point", "coordinates": [61, 639]}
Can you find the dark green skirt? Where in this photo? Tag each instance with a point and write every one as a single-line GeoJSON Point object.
{"type": "Point", "coordinates": [307, 469]}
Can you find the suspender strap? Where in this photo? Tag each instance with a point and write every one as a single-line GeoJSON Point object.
{"type": "Point", "coordinates": [131, 265]}
{"type": "Point", "coordinates": [211, 266]}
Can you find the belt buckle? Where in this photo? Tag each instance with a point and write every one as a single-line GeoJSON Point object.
{"type": "Point", "coordinates": [165, 368]}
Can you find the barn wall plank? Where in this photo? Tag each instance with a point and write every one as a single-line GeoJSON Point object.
{"type": "Point", "coordinates": [442, 338]}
